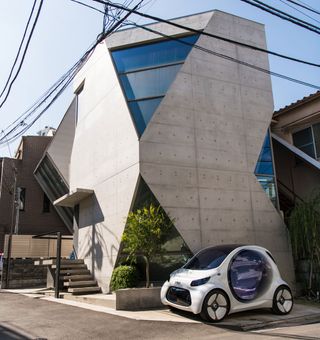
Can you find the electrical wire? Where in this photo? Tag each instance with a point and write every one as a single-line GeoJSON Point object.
{"type": "Point", "coordinates": [305, 6]}
{"type": "Point", "coordinates": [285, 16]}
{"type": "Point", "coordinates": [258, 68]}
{"type": "Point", "coordinates": [298, 10]}
{"type": "Point", "coordinates": [24, 54]}
{"type": "Point", "coordinates": [19, 49]}
{"type": "Point", "coordinates": [157, 19]}
{"type": "Point", "coordinates": [59, 86]}
{"type": "Point", "coordinates": [88, 6]}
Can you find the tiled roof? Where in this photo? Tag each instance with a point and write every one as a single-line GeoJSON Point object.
{"type": "Point", "coordinates": [297, 103]}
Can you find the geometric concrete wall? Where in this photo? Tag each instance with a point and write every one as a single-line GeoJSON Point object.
{"type": "Point", "coordinates": [105, 158]}
{"type": "Point", "coordinates": [197, 154]}
{"type": "Point", "coordinates": [199, 151]}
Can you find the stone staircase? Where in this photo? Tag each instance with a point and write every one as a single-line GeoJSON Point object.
{"type": "Point", "coordinates": [74, 274]}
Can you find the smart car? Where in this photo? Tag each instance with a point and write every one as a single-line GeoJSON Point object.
{"type": "Point", "coordinates": [226, 279]}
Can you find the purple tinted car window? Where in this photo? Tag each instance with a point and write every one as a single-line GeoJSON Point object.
{"type": "Point", "coordinates": [249, 273]}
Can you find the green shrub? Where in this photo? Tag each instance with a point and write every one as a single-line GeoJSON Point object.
{"type": "Point", "coordinates": [124, 277]}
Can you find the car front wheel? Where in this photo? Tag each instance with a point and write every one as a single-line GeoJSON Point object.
{"type": "Point", "coordinates": [215, 306]}
{"type": "Point", "coordinates": [282, 300]}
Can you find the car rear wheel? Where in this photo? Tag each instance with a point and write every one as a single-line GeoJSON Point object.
{"type": "Point", "coordinates": [282, 300]}
{"type": "Point", "coordinates": [215, 306]}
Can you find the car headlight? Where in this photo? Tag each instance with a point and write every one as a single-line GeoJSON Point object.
{"type": "Point", "coordinates": [199, 282]}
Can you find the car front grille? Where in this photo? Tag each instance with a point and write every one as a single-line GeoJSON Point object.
{"type": "Point", "coordinates": [179, 296]}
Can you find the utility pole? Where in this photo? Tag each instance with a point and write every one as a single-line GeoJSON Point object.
{"type": "Point", "coordinates": [15, 173]}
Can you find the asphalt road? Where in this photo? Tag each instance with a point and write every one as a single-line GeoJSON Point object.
{"type": "Point", "coordinates": [23, 318]}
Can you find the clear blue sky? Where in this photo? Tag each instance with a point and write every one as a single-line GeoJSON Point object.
{"type": "Point", "coordinates": [65, 30]}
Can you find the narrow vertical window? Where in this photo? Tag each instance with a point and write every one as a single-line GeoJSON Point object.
{"type": "Point", "coordinates": [46, 204]}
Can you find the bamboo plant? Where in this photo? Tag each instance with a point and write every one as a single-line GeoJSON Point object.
{"type": "Point", "coordinates": [304, 226]}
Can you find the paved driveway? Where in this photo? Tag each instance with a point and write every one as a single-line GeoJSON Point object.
{"type": "Point", "coordinates": [23, 317]}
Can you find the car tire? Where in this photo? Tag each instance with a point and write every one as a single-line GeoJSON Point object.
{"type": "Point", "coordinates": [282, 300]}
{"type": "Point", "coordinates": [216, 306]}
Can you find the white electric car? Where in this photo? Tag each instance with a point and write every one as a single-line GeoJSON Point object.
{"type": "Point", "coordinates": [226, 279]}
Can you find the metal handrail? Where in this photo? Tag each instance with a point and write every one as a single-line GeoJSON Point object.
{"type": "Point", "coordinates": [59, 238]}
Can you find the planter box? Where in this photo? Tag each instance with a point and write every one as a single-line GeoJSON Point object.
{"type": "Point", "coordinates": [138, 298]}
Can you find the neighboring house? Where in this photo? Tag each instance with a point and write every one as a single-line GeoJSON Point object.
{"type": "Point", "coordinates": [36, 213]}
{"type": "Point", "coordinates": [296, 145]}
{"type": "Point", "coordinates": [158, 119]}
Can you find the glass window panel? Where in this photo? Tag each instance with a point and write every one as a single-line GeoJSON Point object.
{"type": "Point", "coordinates": [316, 135]}
{"type": "Point", "coordinates": [142, 112]}
{"type": "Point", "coordinates": [264, 168]}
{"type": "Point", "coordinates": [266, 155]}
{"type": "Point", "coordinates": [54, 187]}
{"type": "Point", "coordinates": [308, 149]}
{"type": "Point", "coordinates": [250, 275]}
{"type": "Point", "coordinates": [266, 143]}
{"type": "Point", "coordinates": [154, 54]}
{"type": "Point", "coordinates": [149, 83]}
{"type": "Point", "coordinates": [268, 185]}
{"type": "Point", "coordinates": [302, 137]}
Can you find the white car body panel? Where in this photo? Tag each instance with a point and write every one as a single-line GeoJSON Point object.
{"type": "Point", "coordinates": [182, 278]}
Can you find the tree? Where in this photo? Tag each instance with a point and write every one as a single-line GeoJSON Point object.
{"type": "Point", "coordinates": [146, 231]}
{"type": "Point", "coordinates": [304, 226]}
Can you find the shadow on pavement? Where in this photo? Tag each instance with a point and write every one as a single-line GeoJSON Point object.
{"type": "Point", "coordinates": [260, 318]}
{"type": "Point", "coordinates": [10, 333]}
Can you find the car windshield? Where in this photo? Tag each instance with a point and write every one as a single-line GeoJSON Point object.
{"type": "Point", "coordinates": [209, 258]}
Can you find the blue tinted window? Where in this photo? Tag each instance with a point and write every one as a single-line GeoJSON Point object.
{"type": "Point", "coordinates": [264, 170]}
{"type": "Point", "coordinates": [149, 83]}
{"type": "Point", "coordinates": [147, 71]}
{"type": "Point", "coordinates": [269, 187]}
{"type": "Point", "coordinates": [250, 275]}
{"type": "Point", "coordinates": [142, 112]}
{"type": "Point", "coordinates": [155, 54]}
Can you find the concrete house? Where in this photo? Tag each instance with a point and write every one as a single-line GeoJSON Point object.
{"type": "Point", "coordinates": [156, 117]}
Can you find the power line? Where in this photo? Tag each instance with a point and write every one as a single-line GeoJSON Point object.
{"type": "Point", "coordinates": [63, 83]}
{"type": "Point", "coordinates": [24, 53]}
{"type": "Point", "coordinates": [88, 6]}
{"type": "Point", "coordinates": [274, 11]}
{"type": "Point", "coordinates": [298, 10]}
{"type": "Point", "coordinates": [258, 68]}
{"type": "Point", "coordinates": [19, 49]}
{"type": "Point", "coordinates": [148, 16]}
{"type": "Point", "coordinates": [305, 6]}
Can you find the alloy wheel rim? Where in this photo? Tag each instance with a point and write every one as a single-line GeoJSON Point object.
{"type": "Point", "coordinates": [284, 300]}
{"type": "Point", "coordinates": [217, 306]}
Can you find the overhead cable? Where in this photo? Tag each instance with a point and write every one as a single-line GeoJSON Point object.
{"type": "Point", "coordinates": [274, 11]}
{"type": "Point", "coordinates": [298, 10]}
{"type": "Point", "coordinates": [223, 56]}
{"type": "Point", "coordinates": [63, 83]}
{"type": "Point", "coordinates": [19, 49]}
{"type": "Point", "coordinates": [232, 41]}
{"type": "Point", "coordinates": [303, 5]}
{"type": "Point", "coordinates": [24, 54]}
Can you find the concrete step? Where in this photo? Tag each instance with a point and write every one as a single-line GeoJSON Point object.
{"type": "Point", "coordinates": [84, 290]}
{"type": "Point", "coordinates": [71, 266]}
{"type": "Point", "coordinates": [105, 300]}
{"type": "Point", "coordinates": [88, 283]}
{"type": "Point", "coordinates": [76, 277]}
{"type": "Point", "coordinates": [65, 272]}
{"type": "Point", "coordinates": [50, 262]}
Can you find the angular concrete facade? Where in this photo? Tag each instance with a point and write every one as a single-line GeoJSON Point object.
{"type": "Point", "coordinates": [197, 154]}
